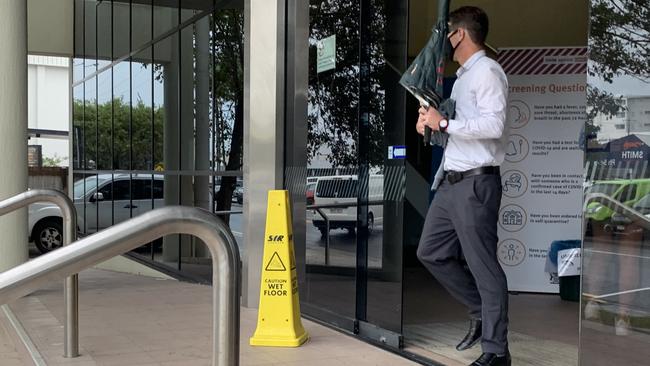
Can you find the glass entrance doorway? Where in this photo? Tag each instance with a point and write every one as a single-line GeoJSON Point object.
{"type": "Point", "coordinates": [543, 327]}
{"type": "Point", "coordinates": [367, 177]}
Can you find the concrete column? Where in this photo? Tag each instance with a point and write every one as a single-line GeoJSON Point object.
{"type": "Point", "coordinates": [187, 126]}
{"type": "Point", "coordinates": [13, 124]}
{"type": "Point", "coordinates": [170, 144]}
{"type": "Point", "coordinates": [263, 130]}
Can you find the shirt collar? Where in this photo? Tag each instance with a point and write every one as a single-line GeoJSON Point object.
{"type": "Point", "coordinates": [470, 62]}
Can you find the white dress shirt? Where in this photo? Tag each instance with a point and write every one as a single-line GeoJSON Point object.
{"type": "Point", "coordinates": [478, 135]}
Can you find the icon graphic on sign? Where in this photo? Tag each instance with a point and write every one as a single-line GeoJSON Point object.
{"type": "Point", "coordinates": [512, 218]}
{"type": "Point", "coordinates": [518, 114]}
{"type": "Point", "coordinates": [275, 264]}
{"type": "Point", "coordinates": [515, 183]}
{"type": "Point", "coordinates": [511, 252]}
{"type": "Point", "coordinates": [516, 149]}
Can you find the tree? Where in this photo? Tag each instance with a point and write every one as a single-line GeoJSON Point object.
{"type": "Point", "coordinates": [228, 74]}
{"type": "Point", "coordinates": [333, 112]}
{"type": "Point", "coordinates": [619, 44]}
{"type": "Point", "coordinates": [52, 161]}
{"type": "Point", "coordinates": [104, 140]}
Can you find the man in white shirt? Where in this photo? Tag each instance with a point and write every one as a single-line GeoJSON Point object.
{"type": "Point", "coordinates": [459, 239]}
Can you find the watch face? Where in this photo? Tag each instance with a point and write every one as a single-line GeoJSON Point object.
{"type": "Point", "coordinates": [444, 123]}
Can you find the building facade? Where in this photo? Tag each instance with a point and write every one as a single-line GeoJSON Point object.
{"type": "Point", "coordinates": [177, 102]}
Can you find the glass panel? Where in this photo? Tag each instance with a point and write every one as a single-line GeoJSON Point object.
{"type": "Point", "coordinates": [332, 147]}
{"type": "Point", "coordinates": [90, 36]}
{"type": "Point", "coordinates": [104, 120]}
{"type": "Point", "coordinates": [104, 33]}
{"type": "Point", "coordinates": [190, 8]}
{"type": "Point", "coordinates": [162, 74]}
{"type": "Point", "coordinates": [187, 101]}
{"type": "Point", "coordinates": [77, 126]}
{"type": "Point", "coordinates": [615, 299]}
{"type": "Point", "coordinates": [227, 97]}
{"type": "Point", "coordinates": [165, 17]}
{"type": "Point", "coordinates": [122, 116]}
{"type": "Point", "coordinates": [78, 62]}
{"type": "Point", "coordinates": [121, 29]}
{"type": "Point", "coordinates": [90, 124]}
{"type": "Point", "coordinates": [386, 177]}
{"type": "Point", "coordinates": [141, 24]}
{"type": "Point", "coordinates": [141, 114]}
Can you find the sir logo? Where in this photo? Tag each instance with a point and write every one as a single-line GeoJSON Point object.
{"type": "Point", "coordinates": [276, 238]}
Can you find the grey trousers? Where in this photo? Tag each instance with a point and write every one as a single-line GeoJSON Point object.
{"type": "Point", "coordinates": [459, 247]}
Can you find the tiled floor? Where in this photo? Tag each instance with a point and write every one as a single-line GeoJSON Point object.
{"type": "Point", "coordinates": [134, 320]}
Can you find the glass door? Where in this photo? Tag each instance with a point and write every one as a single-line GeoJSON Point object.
{"type": "Point", "coordinates": [354, 187]}
{"type": "Point", "coordinates": [615, 301]}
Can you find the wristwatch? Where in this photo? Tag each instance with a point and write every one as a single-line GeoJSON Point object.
{"type": "Point", "coordinates": [443, 124]}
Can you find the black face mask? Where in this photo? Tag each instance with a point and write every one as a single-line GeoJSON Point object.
{"type": "Point", "coordinates": [449, 48]}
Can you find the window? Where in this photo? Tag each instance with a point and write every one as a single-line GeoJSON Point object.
{"type": "Point", "coordinates": [336, 188]}
{"type": "Point", "coordinates": [121, 190]}
{"type": "Point", "coordinates": [627, 193]}
{"type": "Point", "coordinates": [141, 189]}
{"type": "Point", "coordinates": [107, 191]}
{"type": "Point", "coordinates": [619, 126]}
{"type": "Point", "coordinates": [158, 189]}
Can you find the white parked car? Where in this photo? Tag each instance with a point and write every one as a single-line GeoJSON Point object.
{"type": "Point", "coordinates": [343, 189]}
{"type": "Point", "coordinates": [107, 201]}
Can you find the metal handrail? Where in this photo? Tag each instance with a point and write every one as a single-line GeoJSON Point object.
{"type": "Point", "coordinates": [128, 235]}
{"type": "Point", "coordinates": [319, 209]}
{"type": "Point", "coordinates": [71, 284]}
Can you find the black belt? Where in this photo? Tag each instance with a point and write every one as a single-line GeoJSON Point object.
{"type": "Point", "coordinates": [455, 177]}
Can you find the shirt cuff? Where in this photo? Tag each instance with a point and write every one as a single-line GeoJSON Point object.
{"type": "Point", "coordinates": [454, 126]}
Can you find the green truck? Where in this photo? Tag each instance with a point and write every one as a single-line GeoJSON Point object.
{"type": "Point", "coordinates": [626, 191]}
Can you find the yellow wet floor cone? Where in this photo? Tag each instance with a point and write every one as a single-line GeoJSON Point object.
{"type": "Point", "coordinates": [278, 322]}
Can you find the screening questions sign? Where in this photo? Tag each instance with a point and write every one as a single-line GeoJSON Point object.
{"type": "Point", "coordinates": [542, 172]}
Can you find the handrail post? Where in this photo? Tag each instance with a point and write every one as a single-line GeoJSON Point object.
{"type": "Point", "coordinates": [128, 235]}
{"type": "Point", "coordinates": [71, 287]}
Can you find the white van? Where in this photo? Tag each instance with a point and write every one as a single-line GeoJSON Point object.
{"type": "Point", "coordinates": [343, 189]}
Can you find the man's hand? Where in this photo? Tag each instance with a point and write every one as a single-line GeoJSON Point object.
{"type": "Point", "coordinates": [428, 117]}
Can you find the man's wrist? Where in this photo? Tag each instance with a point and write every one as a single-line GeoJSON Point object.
{"type": "Point", "coordinates": [443, 124]}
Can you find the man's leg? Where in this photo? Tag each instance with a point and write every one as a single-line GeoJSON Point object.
{"type": "Point", "coordinates": [475, 215]}
{"type": "Point", "coordinates": [439, 251]}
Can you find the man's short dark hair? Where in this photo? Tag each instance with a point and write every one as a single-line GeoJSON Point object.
{"type": "Point", "coordinates": [474, 20]}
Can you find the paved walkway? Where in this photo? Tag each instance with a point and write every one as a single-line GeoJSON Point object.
{"type": "Point", "coordinates": [10, 354]}
{"type": "Point", "coordinates": [138, 321]}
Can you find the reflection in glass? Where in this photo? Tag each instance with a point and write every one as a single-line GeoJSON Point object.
{"type": "Point", "coordinates": [165, 17]}
{"type": "Point", "coordinates": [615, 300]}
{"type": "Point", "coordinates": [122, 116]}
{"type": "Point", "coordinates": [228, 99]}
{"type": "Point", "coordinates": [90, 37]}
{"type": "Point", "coordinates": [77, 126]}
{"type": "Point", "coordinates": [141, 24]}
{"type": "Point", "coordinates": [104, 120]}
{"type": "Point", "coordinates": [121, 29]}
{"type": "Point", "coordinates": [141, 110]}
{"type": "Point", "coordinates": [104, 33]}
{"type": "Point", "coordinates": [332, 148]}
{"type": "Point", "coordinates": [90, 124]}
{"type": "Point", "coordinates": [78, 62]}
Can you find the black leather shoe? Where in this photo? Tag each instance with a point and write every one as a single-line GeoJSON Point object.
{"type": "Point", "coordinates": [491, 359]}
{"type": "Point", "coordinates": [473, 335]}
